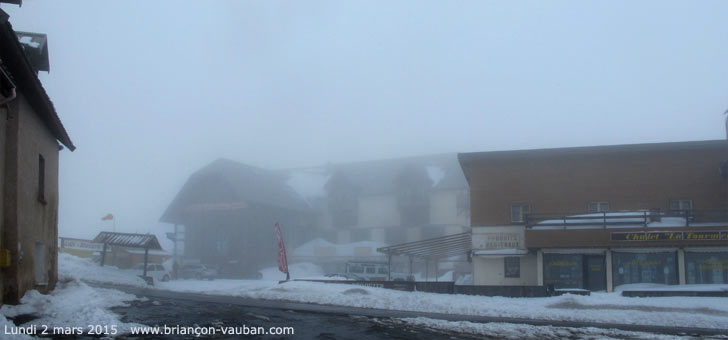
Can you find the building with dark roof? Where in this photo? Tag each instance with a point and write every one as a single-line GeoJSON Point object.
{"type": "Point", "coordinates": [228, 210]}
{"type": "Point", "coordinates": [31, 136]}
{"type": "Point", "coordinates": [599, 217]}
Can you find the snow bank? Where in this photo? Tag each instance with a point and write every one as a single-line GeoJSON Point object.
{"type": "Point", "coordinates": [495, 330]}
{"type": "Point", "coordinates": [599, 307]}
{"type": "Point", "coordinates": [76, 268]}
{"type": "Point", "coordinates": [297, 270]}
{"type": "Point", "coordinates": [71, 304]}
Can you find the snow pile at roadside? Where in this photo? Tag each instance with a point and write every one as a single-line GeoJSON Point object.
{"type": "Point", "coordinates": [297, 270]}
{"type": "Point", "coordinates": [661, 287]}
{"type": "Point", "coordinates": [71, 304]}
{"type": "Point", "coordinates": [495, 330]}
{"type": "Point", "coordinates": [76, 268]}
{"type": "Point", "coordinates": [599, 307]}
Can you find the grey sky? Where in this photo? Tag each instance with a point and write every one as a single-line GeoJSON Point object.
{"type": "Point", "coordinates": [151, 91]}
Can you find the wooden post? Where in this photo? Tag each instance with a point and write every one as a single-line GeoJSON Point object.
{"type": "Point", "coordinates": [146, 259]}
{"type": "Point", "coordinates": [103, 254]}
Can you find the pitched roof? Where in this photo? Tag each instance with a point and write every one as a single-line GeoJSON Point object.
{"type": "Point", "coordinates": [14, 60]}
{"type": "Point", "coordinates": [378, 177]}
{"type": "Point", "coordinates": [228, 185]}
{"type": "Point", "coordinates": [128, 240]}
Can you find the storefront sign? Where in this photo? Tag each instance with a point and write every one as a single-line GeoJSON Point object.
{"type": "Point", "coordinates": [503, 241]}
{"type": "Point", "coordinates": [72, 243]}
{"type": "Point", "coordinates": [670, 236]}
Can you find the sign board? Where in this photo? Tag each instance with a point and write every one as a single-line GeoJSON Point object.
{"type": "Point", "coordinates": [74, 243]}
{"type": "Point", "coordinates": [496, 238]}
{"type": "Point", "coordinates": [670, 236]}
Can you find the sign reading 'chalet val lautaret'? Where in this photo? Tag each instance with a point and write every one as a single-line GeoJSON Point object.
{"type": "Point", "coordinates": [671, 236]}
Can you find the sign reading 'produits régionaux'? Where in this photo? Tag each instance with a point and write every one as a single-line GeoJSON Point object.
{"type": "Point", "coordinates": [670, 236]}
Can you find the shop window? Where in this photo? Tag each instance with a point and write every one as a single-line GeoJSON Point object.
{"type": "Point", "coordinates": [563, 270]}
{"type": "Point", "coordinates": [512, 266]}
{"type": "Point", "coordinates": [519, 212]}
{"type": "Point", "coordinates": [597, 207]}
{"type": "Point", "coordinates": [701, 268]}
{"type": "Point", "coordinates": [681, 205]}
{"type": "Point", "coordinates": [660, 268]}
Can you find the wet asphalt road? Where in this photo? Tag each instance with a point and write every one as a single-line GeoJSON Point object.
{"type": "Point", "coordinates": [306, 325]}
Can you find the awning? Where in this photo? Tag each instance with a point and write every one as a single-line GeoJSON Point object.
{"type": "Point", "coordinates": [433, 248]}
{"type": "Point", "coordinates": [501, 252]}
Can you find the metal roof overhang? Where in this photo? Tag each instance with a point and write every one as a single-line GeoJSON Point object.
{"type": "Point", "coordinates": [433, 248]}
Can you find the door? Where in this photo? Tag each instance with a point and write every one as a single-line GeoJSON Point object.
{"type": "Point", "coordinates": [595, 278]}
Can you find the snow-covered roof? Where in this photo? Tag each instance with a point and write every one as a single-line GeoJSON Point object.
{"type": "Point", "coordinates": [308, 183]}
{"type": "Point", "coordinates": [620, 219]}
{"type": "Point", "coordinates": [128, 240]}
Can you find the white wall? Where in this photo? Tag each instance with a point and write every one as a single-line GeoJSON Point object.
{"type": "Point", "coordinates": [490, 271]}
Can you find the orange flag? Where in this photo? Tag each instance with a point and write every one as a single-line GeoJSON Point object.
{"type": "Point", "coordinates": [108, 217]}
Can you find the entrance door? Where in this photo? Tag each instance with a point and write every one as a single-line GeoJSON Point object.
{"type": "Point", "coordinates": [595, 273]}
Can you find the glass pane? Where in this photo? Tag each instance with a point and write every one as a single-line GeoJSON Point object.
{"type": "Point", "coordinates": [516, 213]}
{"type": "Point", "coordinates": [701, 268]}
{"type": "Point", "coordinates": [604, 206]}
{"type": "Point", "coordinates": [563, 270]}
{"type": "Point", "coordinates": [658, 268]}
{"type": "Point", "coordinates": [593, 207]}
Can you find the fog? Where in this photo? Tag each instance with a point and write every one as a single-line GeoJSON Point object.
{"type": "Point", "coordinates": [151, 91]}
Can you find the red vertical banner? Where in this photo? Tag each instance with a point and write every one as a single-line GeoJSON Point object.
{"type": "Point", "coordinates": [282, 261]}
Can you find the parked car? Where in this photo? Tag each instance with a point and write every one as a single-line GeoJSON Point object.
{"type": "Point", "coordinates": [156, 271]}
{"type": "Point", "coordinates": [196, 271]}
{"type": "Point", "coordinates": [372, 271]}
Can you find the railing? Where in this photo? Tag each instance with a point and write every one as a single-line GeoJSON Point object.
{"type": "Point", "coordinates": [618, 219]}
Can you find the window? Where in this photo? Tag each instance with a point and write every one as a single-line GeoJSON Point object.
{"type": "Point", "coordinates": [39, 262]}
{"type": "Point", "coordinates": [41, 179]}
{"type": "Point", "coordinates": [371, 270]}
{"type": "Point", "coordinates": [512, 266]}
{"type": "Point", "coordinates": [681, 205]}
{"type": "Point", "coordinates": [597, 207]}
{"type": "Point", "coordinates": [519, 212]}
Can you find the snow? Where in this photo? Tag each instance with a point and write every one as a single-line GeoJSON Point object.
{"type": "Point", "coordinates": [76, 302]}
{"type": "Point", "coordinates": [436, 174]}
{"type": "Point", "coordinates": [297, 270]}
{"type": "Point", "coordinates": [662, 287]}
{"type": "Point", "coordinates": [508, 251]}
{"type": "Point", "coordinates": [72, 304]}
{"type": "Point", "coordinates": [599, 307]}
{"type": "Point", "coordinates": [495, 330]}
{"type": "Point", "coordinates": [76, 268]}
{"type": "Point", "coordinates": [308, 184]}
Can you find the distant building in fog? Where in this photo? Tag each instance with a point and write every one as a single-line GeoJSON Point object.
{"type": "Point", "coordinates": [228, 209]}
{"type": "Point", "coordinates": [30, 132]}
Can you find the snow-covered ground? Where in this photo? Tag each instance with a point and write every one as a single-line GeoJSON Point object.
{"type": "Point", "coordinates": [72, 307]}
{"type": "Point", "coordinates": [74, 302]}
{"type": "Point", "coordinates": [509, 331]}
